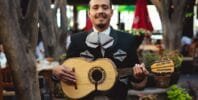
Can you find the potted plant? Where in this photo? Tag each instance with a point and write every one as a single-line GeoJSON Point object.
{"type": "Point", "coordinates": [149, 58]}
{"type": "Point", "coordinates": [164, 79]}
{"type": "Point", "coordinates": [174, 55]}
{"type": "Point", "coordinates": [177, 58]}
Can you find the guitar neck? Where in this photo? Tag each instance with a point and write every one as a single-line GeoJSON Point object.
{"type": "Point", "coordinates": [125, 72]}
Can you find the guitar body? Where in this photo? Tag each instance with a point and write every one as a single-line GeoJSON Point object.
{"type": "Point", "coordinates": [90, 75]}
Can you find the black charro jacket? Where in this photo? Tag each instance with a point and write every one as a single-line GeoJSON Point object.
{"type": "Point", "coordinates": [122, 41]}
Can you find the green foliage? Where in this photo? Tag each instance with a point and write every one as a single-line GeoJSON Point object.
{"type": "Point", "coordinates": [122, 8]}
{"type": "Point", "coordinates": [178, 93]}
{"type": "Point", "coordinates": [175, 56]}
{"type": "Point", "coordinates": [149, 58]}
{"type": "Point", "coordinates": [189, 14]}
{"type": "Point", "coordinates": [139, 32]}
{"type": "Point", "coordinates": [82, 7]}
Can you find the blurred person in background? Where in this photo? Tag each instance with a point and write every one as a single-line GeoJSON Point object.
{"type": "Point", "coordinates": [3, 59]}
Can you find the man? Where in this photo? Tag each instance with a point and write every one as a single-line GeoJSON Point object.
{"type": "Point", "coordinates": [105, 42]}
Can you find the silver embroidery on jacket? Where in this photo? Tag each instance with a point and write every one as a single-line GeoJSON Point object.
{"type": "Point", "coordinates": [87, 54]}
{"type": "Point", "coordinates": [120, 55]}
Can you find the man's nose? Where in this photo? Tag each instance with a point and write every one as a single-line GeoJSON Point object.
{"type": "Point", "coordinates": [100, 10]}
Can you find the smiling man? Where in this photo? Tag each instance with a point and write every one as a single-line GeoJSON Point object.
{"type": "Point", "coordinates": [105, 42]}
{"type": "Point", "coordinates": [100, 14]}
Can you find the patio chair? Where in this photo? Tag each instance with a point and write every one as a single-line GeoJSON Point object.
{"type": "Point", "coordinates": [6, 83]}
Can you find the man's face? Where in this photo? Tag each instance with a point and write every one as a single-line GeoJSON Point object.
{"type": "Point", "coordinates": [100, 13]}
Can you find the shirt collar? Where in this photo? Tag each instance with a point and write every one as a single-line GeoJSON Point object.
{"type": "Point", "coordinates": [107, 31]}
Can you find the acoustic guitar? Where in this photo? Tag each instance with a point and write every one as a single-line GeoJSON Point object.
{"type": "Point", "coordinates": [101, 75]}
{"type": "Point", "coordinates": [90, 76]}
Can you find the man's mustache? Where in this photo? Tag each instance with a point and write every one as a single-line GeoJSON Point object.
{"type": "Point", "coordinates": [103, 15]}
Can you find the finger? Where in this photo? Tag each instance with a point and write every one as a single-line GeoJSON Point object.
{"type": "Point", "coordinates": [70, 82]}
{"type": "Point", "coordinates": [142, 64]}
{"type": "Point", "coordinates": [68, 78]}
{"type": "Point", "coordinates": [145, 71]}
{"type": "Point", "coordinates": [138, 69]}
{"type": "Point", "coordinates": [142, 73]}
{"type": "Point", "coordinates": [68, 70]}
{"type": "Point", "coordinates": [68, 75]}
{"type": "Point", "coordinates": [135, 71]}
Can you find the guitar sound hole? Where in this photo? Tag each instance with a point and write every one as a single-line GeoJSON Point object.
{"type": "Point", "coordinates": [97, 75]}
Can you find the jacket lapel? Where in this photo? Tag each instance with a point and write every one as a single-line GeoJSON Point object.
{"type": "Point", "coordinates": [95, 51]}
{"type": "Point", "coordinates": [109, 51]}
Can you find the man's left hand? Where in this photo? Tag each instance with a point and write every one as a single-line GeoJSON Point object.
{"type": "Point", "coordinates": [140, 72]}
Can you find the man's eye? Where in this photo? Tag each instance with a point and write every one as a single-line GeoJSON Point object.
{"type": "Point", "coordinates": [95, 7]}
{"type": "Point", "coordinates": [105, 7]}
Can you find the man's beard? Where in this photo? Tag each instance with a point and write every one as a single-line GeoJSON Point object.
{"type": "Point", "coordinates": [104, 16]}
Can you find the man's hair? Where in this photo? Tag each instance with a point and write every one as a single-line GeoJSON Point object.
{"type": "Point", "coordinates": [110, 1]}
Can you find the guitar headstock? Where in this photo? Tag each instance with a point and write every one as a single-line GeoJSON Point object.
{"type": "Point", "coordinates": [163, 66]}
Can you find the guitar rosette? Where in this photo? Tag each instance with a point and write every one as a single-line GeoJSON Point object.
{"type": "Point", "coordinates": [96, 75]}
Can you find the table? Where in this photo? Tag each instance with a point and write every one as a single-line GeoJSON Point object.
{"type": "Point", "coordinates": [46, 65]}
{"type": "Point", "coordinates": [44, 69]}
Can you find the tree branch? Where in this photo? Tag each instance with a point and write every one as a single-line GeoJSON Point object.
{"type": "Point", "coordinates": [158, 5]}
{"type": "Point", "coordinates": [30, 23]}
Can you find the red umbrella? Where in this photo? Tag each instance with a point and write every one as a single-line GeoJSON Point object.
{"type": "Point", "coordinates": [141, 20]}
{"type": "Point", "coordinates": [88, 24]}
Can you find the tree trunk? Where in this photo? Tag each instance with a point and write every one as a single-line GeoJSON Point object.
{"type": "Point", "coordinates": [47, 26]}
{"type": "Point", "coordinates": [172, 16]}
{"type": "Point", "coordinates": [53, 36]}
{"type": "Point", "coordinates": [61, 36]}
{"type": "Point", "coordinates": [18, 48]}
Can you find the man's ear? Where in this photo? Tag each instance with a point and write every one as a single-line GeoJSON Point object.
{"type": "Point", "coordinates": [89, 13]}
{"type": "Point", "coordinates": [111, 12]}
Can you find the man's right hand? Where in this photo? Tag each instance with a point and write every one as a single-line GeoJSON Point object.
{"type": "Point", "coordinates": [65, 74]}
